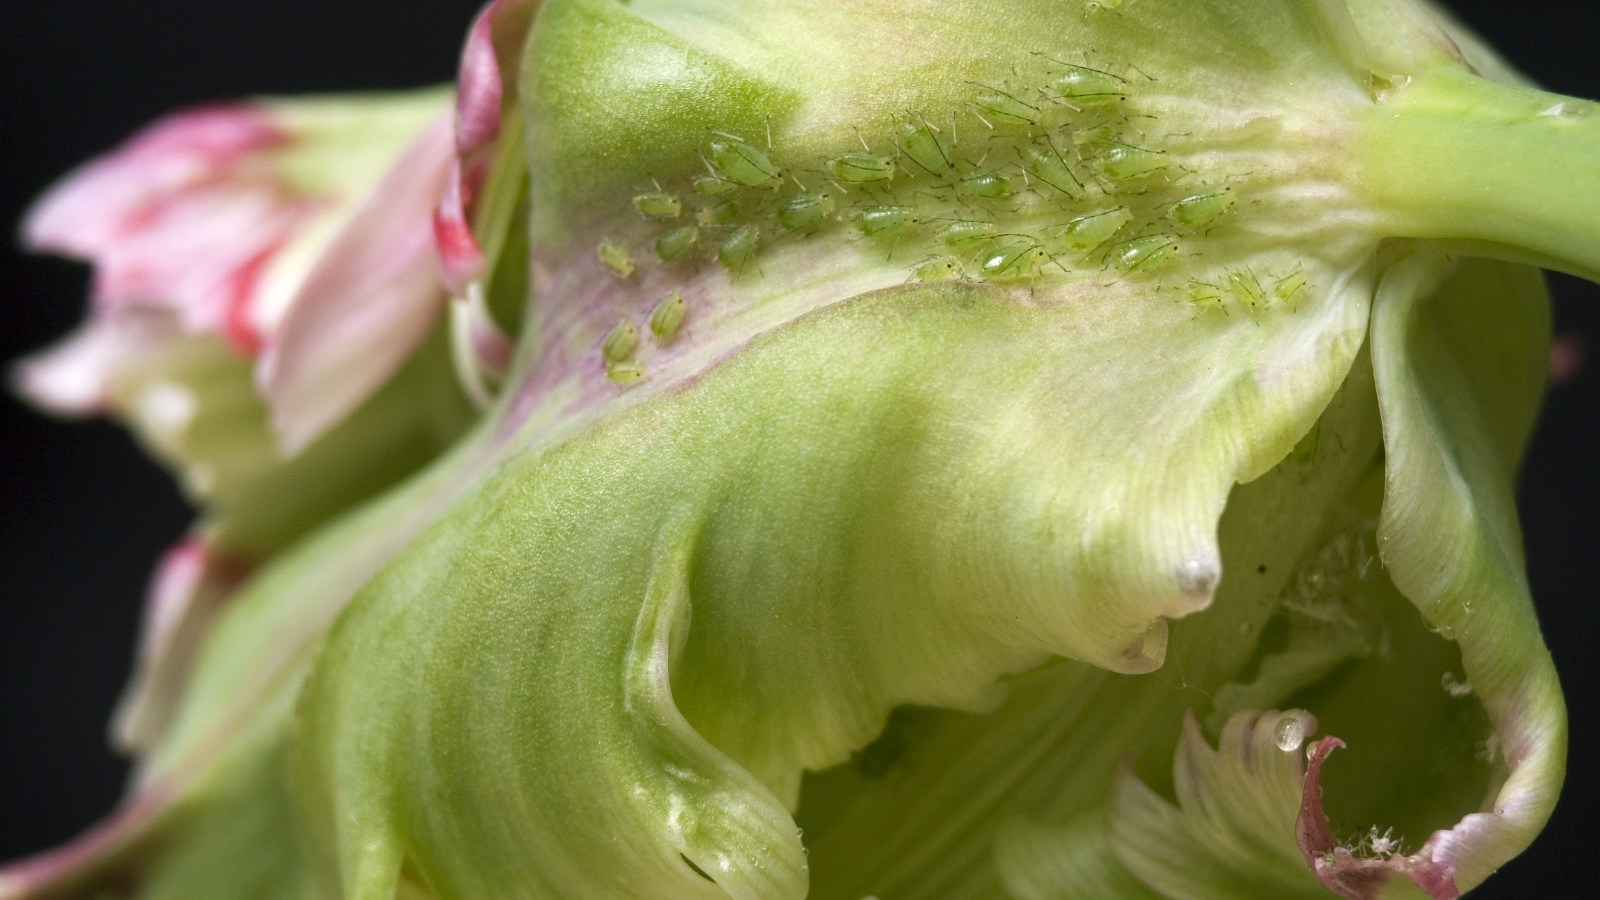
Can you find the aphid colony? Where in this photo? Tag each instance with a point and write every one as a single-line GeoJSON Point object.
{"type": "Point", "coordinates": [1050, 172]}
{"type": "Point", "coordinates": [618, 348]}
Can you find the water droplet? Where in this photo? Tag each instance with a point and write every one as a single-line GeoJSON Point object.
{"type": "Point", "coordinates": [1290, 732]}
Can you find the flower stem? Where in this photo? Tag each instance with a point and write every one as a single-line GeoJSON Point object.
{"type": "Point", "coordinates": [1455, 156]}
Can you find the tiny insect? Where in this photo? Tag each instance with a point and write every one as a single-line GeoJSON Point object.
{"type": "Point", "coordinates": [989, 185]}
{"type": "Point", "coordinates": [711, 185]}
{"type": "Point", "coordinates": [667, 316]}
{"type": "Point", "coordinates": [1201, 208]}
{"type": "Point", "coordinates": [1045, 164]}
{"type": "Point", "coordinates": [1121, 162]}
{"type": "Point", "coordinates": [1205, 296]}
{"type": "Point", "coordinates": [801, 210]}
{"type": "Point", "coordinates": [1289, 286]}
{"type": "Point", "coordinates": [742, 163]}
{"type": "Point", "coordinates": [1246, 289]}
{"type": "Point", "coordinates": [939, 268]}
{"type": "Point", "coordinates": [616, 259]}
{"type": "Point", "coordinates": [1004, 107]}
{"type": "Point", "coordinates": [1103, 133]}
{"type": "Point", "coordinates": [861, 167]}
{"type": "Point", "coordinates": [739, 247]}
{"type": "Point", "coordinates": [1144, 254]}
{"type": "Point", "coordinates": [720, 213]}
{"type": "Point", "coordinates": [964, 231]}
{"type": "Point", "coordinates": [676, 242]}
{"type": "Point", "coordinates": [1090, 87]}
{"type": "Point", "coordinates": [1016, 261]}
{"type": "Point", "coordinates": [881, 221]}
{"type": "Point", "coordinates": [625, 372]}
{"type": "Point", "coordinates": [658, 204]}
{"type": "Point", "coordinates": [620, 343]}
{"type": "Point", "coordinates": [1087, 233]}
{"type": "Point", "coordinates": [923, 147]}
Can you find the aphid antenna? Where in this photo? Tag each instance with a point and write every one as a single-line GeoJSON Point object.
{"type": "Point", "coordinates": [1146, 76]}
{"type": "Point", "coordinates": [731, 137]}
{"type": "Point", "coordinates": [768, 121]}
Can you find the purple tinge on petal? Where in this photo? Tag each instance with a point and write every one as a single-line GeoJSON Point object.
{"type": "Point", "coordinates": [366, 304]}
{"type": "Point", "coordinates": [73, 377]}
{"type": "Point", "coordinates": [1337, 867]}
{"type": "Point", "coordinates": [183, 216]}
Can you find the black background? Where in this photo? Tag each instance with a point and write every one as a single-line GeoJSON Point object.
{"type": "Point", "coordinates": [83, 515]}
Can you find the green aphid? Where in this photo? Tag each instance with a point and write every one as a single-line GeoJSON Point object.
{"type": "Point", "coordinates": [676, 242]}
{"type": "Point", "coordinates": [964, 231]}
{"type": "Point", "coordinates": [667, 316]}
{"type": "Point", "coordinates": [1016, 261]}
{"type": "Point", "coordinates": [742, 163]}
{"type": "Point", "coordinates": [861, 166]}
{"type": "Point", "coordinates": [720, 213]}
{"type": "Point", "coordinates": [880, 221]}
{"type": "Point", "coordinates": [625, 372]}
{"type": "Point", "coordinates": [1090, 87]}
{"type": "Point", "coordinates": [1205, 296]}
{"type": "Point", "coordinates": [616, 259]}
{"type": "Point", "coordinates": [939, 268]}
{"type": "Point", "coordinates": [922, 146]}
{"type": "Point", "coordinates": [1144, 254]}
{"type": "Point", "coordinates": [1103, 133]}
{"type": "Point", "coordinates": [1087, 233]}
{"type": "Point", "coordinates": [1201, 208]}
{"type": "Point", "coordinates": [620, 343]}
{"type": "Point", "coordinates": [1290, 286]}
{"type": "Point", "coordinates": [739, 247]}
{"type": "Point", "coordinates": [1042, 162]}
{"type": "Point", "coordinates": [1120, 162]}
{"type": "Point", "coordinates": [989, 185]}
{"type": "Point", "coordinates": [709, 185]}
{"type": "Point", "coordinates": [1246, 289]}
{"type": "Point", "coordinates": [658, 204]}
{"type": "Point", "coordinates": [1003, 107]}
{"type": "Point", "coordinates": [801, 210]}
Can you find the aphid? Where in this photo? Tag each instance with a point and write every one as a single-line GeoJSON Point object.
{"type": "Point", "coordinates": [667, 316]}
{"type": "Point", "coordinates": [1205, 296]}
{"type": "Point", "coordinates": [990, 185]}
{"type": "Point", "coordinates": [1087, 233]}
{"type": "Point", "coordinates": [1004, 107]}
{"type": "Point", "coordinates": [1201, 208]}
{"type": "Point", "coordinates": [861, 166]}
{"type": "Point", "coordinates": [918, 142]}
{"type": "Point", "coordinates": [676, 242]}
{"type": "Point", "coordinates": [1144, 254]}
{"type": "Point", "coordinates": [1090, 87]}
{"type": "Point", "coordinates": [1044, 163]}
{"type": "Point", "coordinates": [1289, 286]}
{"type": "Point", "coordinates": [708, 185]}
{"type": "Point", "coordinates": [939, 268]}
{"type": "Point", "coordinates": [1016, 261]}
{"type": "Point", "coordinates": [740, 162]}
{"type": "Point", "coordinates": [801, 210]}
{"type": "Point", "coordinates": [1095, 134]}
{"type": "Point", "coordinates": [719, 213]}
{"type": "Point", "coordinates": [616, 259]}
{"type": "Point", "coordinates": [658, 204]}
{"type": "Point", "coordinates": [1120, 162]}
{"type": "Point", "coordinates": [964, 231]}
{"type": "Point", "coordinates": [625, 372]}
{"type": "Point", "coordinates": [1246, 289]}
{"type": "Point", "coordinates": [739, 247]}
{"type": "Point", "coordinates": [883, 220]}
{"type": "Point", "coordinates": [620, 343]}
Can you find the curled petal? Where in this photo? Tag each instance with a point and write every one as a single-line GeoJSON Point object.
{"type": "Point", "coordinates": [74, 377]}
{"type": "Point", "coordinates": [460, 258]}
{"type": "Point", "coordinates": [365, 306]}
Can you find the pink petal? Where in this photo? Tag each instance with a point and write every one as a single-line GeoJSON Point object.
{"type": "Point", "coordinates": [1340, 870]}
{"type": "Point", "coordinates": [368, 301]}
{"type": "Point", "coordinates": [460, 259]}
{"type": "Point", "coordinates": [73, 377]}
